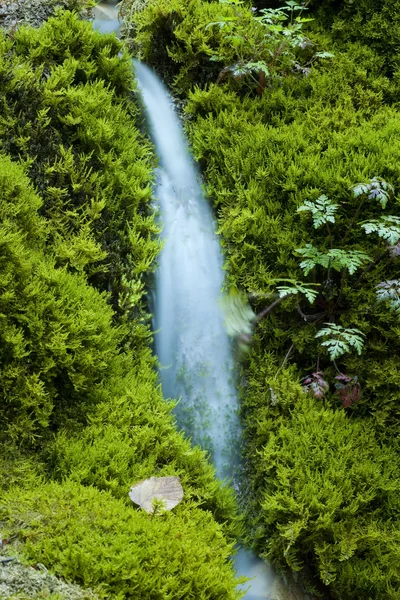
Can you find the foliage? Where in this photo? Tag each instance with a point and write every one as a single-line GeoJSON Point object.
{"type": "Point", "coordinates": [297, 287]}
{"type": "Point", "coordinates": [387, 227]}
{"type": "Point", "coordinates": [266, 44]}
{"type": "Point", "coordinates": [196, 42]}
{"type": "Point", "coordinates": [340, 339]}
{"type": "Point", "coordinates": [335, 258]}
{"type": "Point", "coordinates": [61, 366]}
{"type": "Point", "coordinates": [316, 384]}
{"type": "Point", "coordinates": [376, 189]}
{"type": "Point", "coordinates": [262, 158]}
{"type": "Point", "coordinates": [67, 114]}
{"type": "Point", "coordinates": [374, 22]}
{"type": "Point", "coordinates": [348, 388]}
{"type": "Point", "coordinates": [389, 292]}
{"type": "Point", "coordinates": [57, 340]}
{"type": "Point", "coordinates": [329, 498]}
{"type": "Point", "coordinates": [262, 162]}
{"type": "Point", "coordinates": [88, 536]}
{"type": "Point", "coordinates": [80, 393]}
{"type": "Point", "coordinates": [322, 210]}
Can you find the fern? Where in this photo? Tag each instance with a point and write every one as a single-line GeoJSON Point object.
{"type": "Point", "coordinates": [389, 291]}
{"type": "Point", "coordinates": [297, 287]}
{"type": "Point", "coordinates": [341, 340]}
{"type": "Point", "coordinates": [335, 258]}
{"type": "Point", "coordinates": [322, 210]}
{"type": "Point", "coordinates": [376, 189]}
{"type": "Point", "coordinates": [387, 227]}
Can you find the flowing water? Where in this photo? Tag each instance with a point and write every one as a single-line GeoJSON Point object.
{"type": "Point", "coordinates": [191, 342]}
{"type": "Point", "coordinates": [106, 17]}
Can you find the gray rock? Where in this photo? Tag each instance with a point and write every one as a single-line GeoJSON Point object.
{"type": "Point", "coordinates": [34, 12]}
{"type": "Point", "coordinates": [22, 582]}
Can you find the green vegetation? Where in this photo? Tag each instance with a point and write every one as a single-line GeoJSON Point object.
{"type": "Point", "coordinates": [305, 179]}
{"type": "Point", "coordinates": [82, 416]}
{"type": "Point", "coordinates": [292, 113]}
{"type": "Point", "coordinates": [95, 539]}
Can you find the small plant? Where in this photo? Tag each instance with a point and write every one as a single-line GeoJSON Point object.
{"type": "Point", "coordinates": [389, 291]}
{"type": "Point", "coordinates": [316, 384]}
{"type": "Point", "coordinates": [329, 293]}
{"type": "Point", "coordinates": [335, 258]}
{"type": "Point", "coordinates": [376, 189]}
{"type": "Point", "coordinates": [387, 228]}
{"type": "Point", "coordinates": [322, 210]}
{"type": "Point", "coordinates": [297, 287]}
{"type": "Point", "coordinates": [340, 340]}
{"type": "Point", "coordinates": [267, 44]}
{"type": "Point", "coordinates": [348, 388]}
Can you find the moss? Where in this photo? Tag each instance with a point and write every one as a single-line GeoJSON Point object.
{"type": "Point", "coordinates": [90, 537]}
{"type": "Point", "coordinates": [68, 115]}
{"type": "Point", "coordinates": [328, 493]}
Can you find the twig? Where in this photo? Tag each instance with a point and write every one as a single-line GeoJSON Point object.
{"type": "Point", "coordinates": [313, 317]}
{"type": "Point", "coordinates": [284, 360]}
{"type": "Point", "coordinates": [269, 308]}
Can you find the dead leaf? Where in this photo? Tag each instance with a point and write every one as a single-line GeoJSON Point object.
{"type": "Point", "coordinates": [166, 489]}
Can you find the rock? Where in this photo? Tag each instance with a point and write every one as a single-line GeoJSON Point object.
{"type": "Point", "coordinates": [21, 581]}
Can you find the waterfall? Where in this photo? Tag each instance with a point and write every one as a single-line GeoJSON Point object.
{"type": "Point", "coordinates": [192, 346]}
{"type": "Point", "coordinates": [191, 342]}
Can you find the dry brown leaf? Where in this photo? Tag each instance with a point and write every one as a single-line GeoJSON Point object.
{"type": "Point", "coordinates": [166, 489]}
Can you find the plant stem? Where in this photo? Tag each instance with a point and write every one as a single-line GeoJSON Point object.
{"type": "Point", "coordinates": [270, 308]}
{"type": "Point", "coordinates": [371, 266]}
{"type": "Point", "coordinates": [354, 219]}
{"type": "Point", "coordinates": [284, 360]}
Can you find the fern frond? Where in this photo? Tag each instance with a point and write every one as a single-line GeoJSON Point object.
{"type": "Point", "coordinates": [335, 258]}
{"type": "Point", "coordinates": [387, 227]}
{"type": "Point", "coordinates": [341, 340]}
{"type": "Point", "coordinates": [322, 210]}
{"type": "Point", "coordinates": [376, 189]}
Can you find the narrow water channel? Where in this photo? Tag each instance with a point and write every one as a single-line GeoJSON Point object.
{"type": "Point", "coordinates": [193, 348]}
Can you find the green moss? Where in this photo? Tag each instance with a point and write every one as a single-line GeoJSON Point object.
{"type": "Point", "coordinates": [375, 22]}
{"type": "Point", "coordinates": [328, 494]}
{"type": "Point", "coordinates": [69, 115]}
{"type": "Point", "coordinates": [92, 538]}
{"type": "Point", "coordinates": [262, 159]}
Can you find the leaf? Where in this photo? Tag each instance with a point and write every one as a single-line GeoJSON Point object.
{"type": "Point", "coordinates": [377, 188]}
{"type": "Point", "coordinates": [335, 258]}
{"type": "Point", "coordinates": [316, 384]}
{"type": "Point", "coordinates": [324, 55]}
{"type": "Point", "coordinates": [348, 388]}
{"type": "Point", "coordinates": [258, 66]}
{"type": "Point", "coordinates": [322, 210]}
{"type": "Point", "coordinates": [389, 291]}
{"type": "Point", "coordinates": [167, 490]}
{"type": "Point", "coordinates": [387, 227]}
{"type": "Point", "coordinates": [394, 251]}
{"type": "Point", "coordinates": [298, 287]}
{"type": "Point", "coordinates": [341, 339]}
{"type": "Point", "coordinates": [305, 20]}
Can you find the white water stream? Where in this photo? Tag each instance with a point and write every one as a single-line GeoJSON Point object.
{"type": "Point", "coordinates": [191, 342]}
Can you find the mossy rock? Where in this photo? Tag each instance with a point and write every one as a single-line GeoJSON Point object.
{"type": "Point", "coordinates": [88, 536]}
